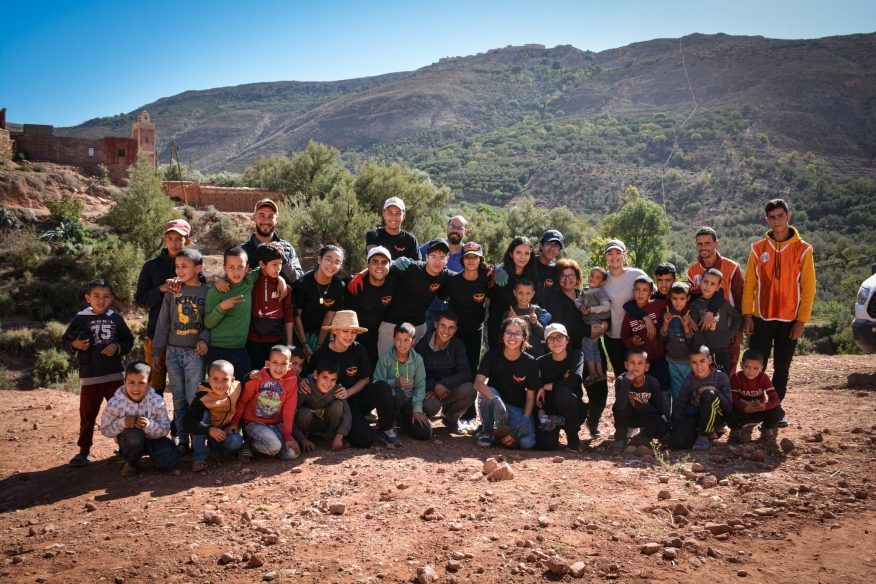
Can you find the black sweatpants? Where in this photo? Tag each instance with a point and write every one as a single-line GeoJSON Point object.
{"type": "Point", "coordinates": [721, 360]}
{"type": "Point", "coordinates": [419, 432]}
{"type": "Point", "coordinates": [562, 402]}
{"type": "Point", "coordinates": [773, 336]}
{"type": "Point", "coordinates": [617, 353]}
{"type": "Point", "coordinates": [597, 393]}
{"type": "Point", "coordinates": [697, 421]}
{"type": "Point", "coordinates": [653, 425]}
{"type": "Point", "coordinates": [769, 418]}
{"type": "Point", "coordinates": [377, 394]}
{"type": "Point", "coordinates": [472, 342]}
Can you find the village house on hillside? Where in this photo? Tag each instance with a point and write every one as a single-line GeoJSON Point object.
{"type": "Point", "coordinates": [38, 142]}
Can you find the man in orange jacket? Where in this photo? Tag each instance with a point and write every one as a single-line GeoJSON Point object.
{"type": "Point", "coordinates": [778, 293]}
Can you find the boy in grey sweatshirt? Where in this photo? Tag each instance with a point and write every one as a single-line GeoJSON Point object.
{"type": "Point", "coordinates": [726, 325]}
{"type": "Point", "coordinates": [180, 329]}
{"type": "Point", "coordinates": [324, 409]}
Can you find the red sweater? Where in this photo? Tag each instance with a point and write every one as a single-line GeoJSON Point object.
{"type": "Point", "coordinates": [269, 401]}
{"type": "Point", "coordinates": [746, 391]}
{"type": "Point", "coordinates": [269, 313]}
{"type": "Point", "coordinates": [632, 327]}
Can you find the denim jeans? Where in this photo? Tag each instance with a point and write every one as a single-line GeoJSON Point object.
{"type": "Point", "coordinates": [591, 350]}
{"type": "Point", "coordinates": [231, 443]}
{"type": "Point", "coordinates": [678, 372]}
{"type": "Point", "coordinates": [134, 444]}
{"type": "Point", "coordinates": [515, 418]}
{"type": "Point", "coordinates": [186, 372]}
{"type": "Point", "coordinates": [268, 439]}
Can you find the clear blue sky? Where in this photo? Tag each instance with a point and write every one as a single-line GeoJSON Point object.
{"type": "Point", "coordinates": [64, 62]}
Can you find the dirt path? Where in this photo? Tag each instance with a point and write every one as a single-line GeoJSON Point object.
{"type": "Point", "coordinates": [807, 516]}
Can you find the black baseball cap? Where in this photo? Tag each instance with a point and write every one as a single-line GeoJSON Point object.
{"type": "Point", "coordinates": [438, 243]}
{"type": "Point", "coordinates": [552, 235]}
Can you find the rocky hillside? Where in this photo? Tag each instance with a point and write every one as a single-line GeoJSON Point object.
{"type": "Point", "coordinates": [813, 95]}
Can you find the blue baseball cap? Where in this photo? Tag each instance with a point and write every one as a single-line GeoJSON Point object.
{"type": "Point", "coordinates": [552, 235]}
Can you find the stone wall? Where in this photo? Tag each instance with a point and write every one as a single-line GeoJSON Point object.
{"type": "Point", "coordinates": [5, 146]}
{"type": "Point", "coordinates": [117, 154]}
{"type": "Point", "coordinates": [226, 199]}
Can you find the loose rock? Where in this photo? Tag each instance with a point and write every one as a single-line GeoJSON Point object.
{"type": "Point", "coordinates": [651, 548]}
{"type": "Point", "coordinates": [256, 560]}
{"type": "Point", "coordinates": [718, 528]}
{"type": "Point", "coordinates": [557, 565]}
{"type": "Point", "coordinates": [269, 577]}
{"type": "Point", "coordinates": [757, 456]}
{"type": "Point", "coordinates": [664, 495]}
{"type": "Point", "coordinates": [558, 459]}
{"type": "Point", "coordinates": [426, 575]}
{"type": "Point", "coordinates": [787, 445]}
{"type": "Point", "coordinates": [503, 473]}
{"type": "Point", "coordinates": [489, 466]}
{"type": "Point", "coordinates": [697, 467]}
{"type": "Point", "coordinates": [577, 569]}
{"type": "Point", "coordinates": [670, 553]}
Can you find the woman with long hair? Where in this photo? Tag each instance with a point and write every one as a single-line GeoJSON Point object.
{"type": "Point", "coordinates": [466, 293]}
{"type": "Point", "coordinates": [519, 261]}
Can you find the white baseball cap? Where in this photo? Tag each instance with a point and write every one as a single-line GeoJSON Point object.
{"type": "Point", "coordinates": [378, 250]}
{"type": "Point", "coordinates": [394, 202]}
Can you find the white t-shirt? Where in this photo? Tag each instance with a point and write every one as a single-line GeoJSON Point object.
{"type": "Point", "coordinates": [620, 291]}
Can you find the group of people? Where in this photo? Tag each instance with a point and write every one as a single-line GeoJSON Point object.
{"type": "Point", "coordinates": [269, 358]}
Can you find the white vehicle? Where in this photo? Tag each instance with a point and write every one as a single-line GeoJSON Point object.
{"type": "Point", "coordinates": [864, 325]}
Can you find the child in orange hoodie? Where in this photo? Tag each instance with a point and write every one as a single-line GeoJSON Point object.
{"type": "Point", "coordinates": [267, 408]}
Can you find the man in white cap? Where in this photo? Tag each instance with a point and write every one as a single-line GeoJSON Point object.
{"type": "Point", "coordinates": [399, 242]}
{"type": "Point", "coordinates": [158, 276]}
{"type": "Point", "coordinates": [265, 216]}
{"type": "Point", "coordinates": [372, 298]}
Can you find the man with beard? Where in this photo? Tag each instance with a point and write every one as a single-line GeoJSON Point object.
{"type": "Point", "coordinates": [265, 217]}
{"type": "Point", "coordinates": [457, 227]}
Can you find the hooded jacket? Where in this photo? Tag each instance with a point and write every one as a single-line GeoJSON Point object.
{"type": "Point", "coordinates": [779, 279]}
{"type": "Point", "coordinates": [153, 408]}
{"type": "Point", "coordinates": [389, 369]}
{"type": "Point", "coordinates": [269, 401]}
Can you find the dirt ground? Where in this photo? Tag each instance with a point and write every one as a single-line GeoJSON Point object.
{"type": "Point", "coordinates": [804, 516]}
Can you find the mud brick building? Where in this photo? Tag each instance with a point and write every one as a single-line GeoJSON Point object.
{"type": "Point", "coordinates": [38, 142]}
{"type": "Point", "coordinates": [226, 199]}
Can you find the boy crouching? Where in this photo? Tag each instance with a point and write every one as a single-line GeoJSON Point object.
{"type": "Point", "coordinates": [136, 417]}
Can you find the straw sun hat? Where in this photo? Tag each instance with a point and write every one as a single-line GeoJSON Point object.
{"type": "Point", "coordinates": [346, 319]}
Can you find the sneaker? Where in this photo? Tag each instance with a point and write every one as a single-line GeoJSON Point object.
{"type": "Point", "coordinates": [466, 426]}
{"type": "Point", "coordinates": [746, 433]}
{"type": "Point", "coordinates": [588, 380]}
{"type": "Point", "coordinates": [129, 470]}
{"type": "Point", "coordinates": [769, 434]}
{"type": "Point", "coordinates": [573, 444]}
{"type": "Point", "coordinates": [389, 437]}
{"type": "Point", "coordinates": [184, 450]}
{"type": "Point", "coordinates": [783, 423]}
{"type": "Point", "coordinates": [485, 439]}
{"type": "Point", "coordinates": [632, 432]}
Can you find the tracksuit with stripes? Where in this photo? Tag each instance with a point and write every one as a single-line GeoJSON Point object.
{"type": "Point", "coordinates": [694, 413]}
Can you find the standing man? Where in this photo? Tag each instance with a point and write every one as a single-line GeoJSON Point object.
{"type": "Point", "coordinates": [265, 218]}
{"type": "Point", "coordinates": [551, 244]}
{"type": "Point", "coordinates": [399, 242]}
{"type": "Point", "coordinates": [457, 227]}
{"type": "Point", "coordinates": [158, 276]}
{"type": "Point", "coordinates": [731, 285]}
{"type": "Point", "coordinates": [778, 293]}
{"type": "Point", "coordinates": [369, 295]}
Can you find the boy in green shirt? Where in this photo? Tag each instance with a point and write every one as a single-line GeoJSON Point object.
{"type": "Point", "coordinates": [227, 313]}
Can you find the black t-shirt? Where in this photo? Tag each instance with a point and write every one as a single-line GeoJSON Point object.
{"type": "Point", "coordinates": [648, 398]}
{"type": "Point", "coordinates": [402, 245]}
{"type": "Point", "coordinates": [563, 311]}
{"type": "Point", "coordinates": [511, 378]}
{"type": "Point", "coordinates": [371, 304]}
{"type": "Point", "coordinates": [307, 294]}
{"type": "Point", "coordinates": [354, 363]}
{"type": "Point", "coordinates": [565, 373]}
{"type": "Point", "coordinates": [467, 299]}
{"type": "Point", "coordinates": [547, 282]}
{"type": "Point", "coordinates": [502, 298]}
{"type": "Point", "coordinates": [416, 290]}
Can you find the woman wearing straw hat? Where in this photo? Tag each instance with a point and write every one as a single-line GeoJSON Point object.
{"type": "Point", "coordinates": [363, 394]}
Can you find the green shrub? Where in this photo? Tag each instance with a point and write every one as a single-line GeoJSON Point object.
{"type": "Point", "coordinates": [71, 384]}
{"type": "Point", "coordinates": [117, 261]}
{"type": "Point", "coordinates": [5, 382]}
{"type": "Point", "coordinates": [18, 341]}
{"type": "Point", "coordinates": [227, 234]}
{"type": "Point", "coordinates": [65, 210]}
{"type": "Point", "coordinates": [50, 336]}
{"type": "Point", "coordinates": [7, 304]}
{"type": "Point", "coordinates": [672, 175]}
{"type": "Point", "coordinates": [7, 218]}
{"type": "Point", "coordinates": [212, 214]}
{"type": "Point", "coordinates": [51, 365]}
{"type": "Point", "coordinates": [23, 250]}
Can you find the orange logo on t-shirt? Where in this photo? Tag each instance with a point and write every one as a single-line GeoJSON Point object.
{"type": "Point", "coordinates": [548, 282]}
{"type": "Point", "coordinates": [386, 299]}
{"type": "Point", "coordinates": [566, 375]}
{"type": "Point", "coordinates": [327, 302]}
{"type": "Point", "coordinates": [434, 287]}
{"type": "Point", "coordinates": [518, 379]}
{"type": "Point", "coordinates": [397, 248]}
{"type": "Point", "coordinates": [478, 297]}
{"type": "Point", "coordinates": [351, 371]}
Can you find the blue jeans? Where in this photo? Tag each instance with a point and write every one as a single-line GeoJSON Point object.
{"type": "Point", "coordinates": [268, 439]}
{"type": "Point", "coordinates": [231, 443]}
{"type": "Point", "coordinates": [186, 372]}
{"type": "Point", "coordinates": [678, 372]}
{"type": "Point", "coordinates": [591, 350]}
{"type": "Point", "coordinates": [134, 444]}
{"type": "Point", "coordinates": [238, 358]}
{"type": "Point", "coordinates": [515, 418]}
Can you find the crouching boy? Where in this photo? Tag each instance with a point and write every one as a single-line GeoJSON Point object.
{"type": "Point", "coordinates": [209, 417]}
{"type": "Point", "coordinates": [703, 400]}
{"type": "Point", "coordinates": [136, 417]}
{"type": "Point", "coordinates": [403, 369]}
{"type": "Point", "coordinates": [638, 402]}
{"type": "Point", "coordinates": [323, 410]}
{"type": "Point", "coordinates": [267, 409]}
{"type": "Point", "coordinates": [754, 401]}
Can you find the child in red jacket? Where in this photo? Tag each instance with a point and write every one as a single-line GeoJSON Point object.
{"type": "Point", "coordinates": [754, 401]}
{"type": "Point", "coordinates": [634, 331]}
{"type": "Point", "coordinates": [267, 408]}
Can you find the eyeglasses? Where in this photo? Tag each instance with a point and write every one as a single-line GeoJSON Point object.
{"type": "Point", "coordinates": [568, 277]}
{"type": "Point", "coordinates": [554, 339]}
{"type": "Point", "coordinates": [513, 335]}
{"type": "Point", "coordinates": [552, 244]}
{"type": "Point", "coordinates": [454, 227]}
